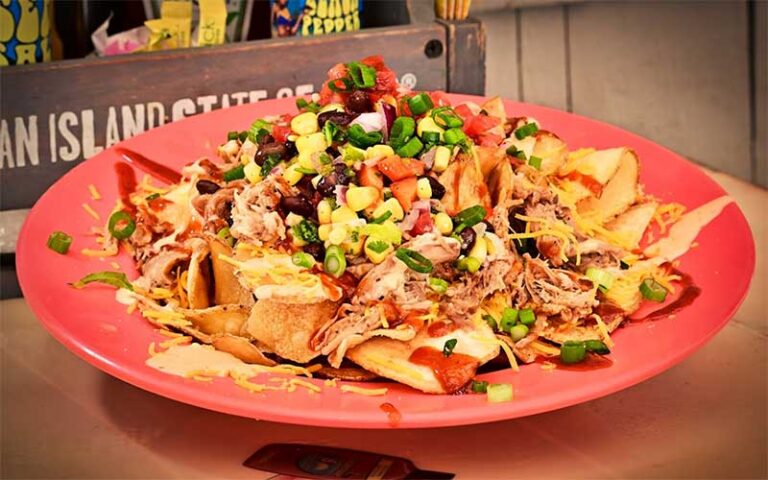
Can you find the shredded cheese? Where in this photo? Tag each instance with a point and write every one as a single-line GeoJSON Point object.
{"type": "Point", "coordinates": [545, 348]}
{"type": "Point", "coordinates": [371, 392]}
{"type": "Point", "coordinates": [110, 251]}
{"type": "Point", "coordinates": [181, 340]}
{"type": "Point", "coordinates": [297, 382]}
{"type": "Point", "coordinates": [90, 211]}
{"type": "Point", "coordinates": [548, 366]}
{"type": "Point", "coordinates": [152, 350]}
{"type": "Point", "coordinates": [603, 329]}
{"type": "Point", "coordinates": [94, 192]}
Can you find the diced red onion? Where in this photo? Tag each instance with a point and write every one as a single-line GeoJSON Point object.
{"type": "Point", "coordinates": [371, 122]}
{"type": "Point", "coordinates": [341, 194]}
{"type": "Point", "coordinates": [429, 158]}
{"type": "Point", "coordinates": [390, 113]}
{"type": "Point", "coordinates": [410, 220]}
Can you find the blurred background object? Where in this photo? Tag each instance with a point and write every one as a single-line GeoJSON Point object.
{"type": "Point", "coordinates": [25, 31]}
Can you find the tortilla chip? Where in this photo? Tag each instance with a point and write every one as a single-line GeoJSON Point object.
{"type": "Point", "coordinates": [464, 185]}
{"type": "Point", "coordinates": [199, 276]}
{"type": "Point", "coordinates": [220, 319]}
{"type": "Point", "coordinates": [241, 348]}
{"type": "Point", "coordinates": [632, 223]}
{"type": "Point", "coordinates": [495, 108]}
{"type": "Point", "coordinates": [619, 193]}
{"type": "Point", "coordinates": [226, 287]}
{"type": "Point", "coordinates": [286, 327]}
{"type": "Point", "coordinates": [551, 150]}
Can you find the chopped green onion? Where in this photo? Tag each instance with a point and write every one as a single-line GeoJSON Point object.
{"type": "Point", "coordinates": [491, 322]}
{"type": "Point", "coordinates": [430, 138]}
{"type": "Point", "coordinates": [233, 135]}
{"type": "Point", "coordinates": [438, 285]}
{"type": "Point", "coordinates": [454, 136]}
{"type": "Point", "coordinates": [362, 75]}
{"type": "Point", "coordinates": [448, 347]}
{"type": "Point", "coordinates": [402, 130]}
{"type": "Point", "coordinates": [446, 117]}
{"type": "Point", "coordinates": [302, 259]}
{"type": "Point", "coordinates": [527, 317]}
{"type": "Point", "coordinates": [359, 138]}
{"type": "Point", "coordinates": [573, 352]}
{"type": "Point", "coordinates": [306, 231]}
{"type": "Point", "coordinates": [243, 136]}
{"type": "Point", "coordinates": [469, 217]}
{"type": "Point", "coordinates": [236, 173]}
{"type": "Point", "coordinates": [266, 167]}
{"type": "Point", "coordinates": [259, 129]}
{"type": "Point", "coordinates": [596, 346]}
{"type": "Point", "coordinates": [116, 279]}
{"type": "Point", "coordinates": [479, 386]}
{"type": "Point", "coordinates": [420, 103]}
{"type": "Point", "coordinates": [601, 278]}
{"type": "Point", "coordinates": [653, 290]}
{"type": "Point", "coordinates": [59, 242]}
{"type": "Point", "coordinates": [518, 332]}
{"type": "Point", "coordinates": [306, 171]}
{"type": "Point", "coordinates": [225, 235]}
{"type": "Point", "coordinates": [509, 318]}
{"type": "Point", "coordinates": [414, 260]}
{"type": "Point", "coordinates": [526, 130]}
{"type": "Point", "coordinates": [535, 162]}
{"type": "Point", "coordinates": [335, 263]}
{"type": "Point", "coordinates": [499, 392]}
{"type": "Point", "coordinates": [121, 225]}
{"type": "Point", "coordinates": [376, 246]}
{"type": "Point", "coordinates": [469, 264]}
{"type": "Point", "coordinates": [512, 150]}
{"type": "Point", "coordinates": [302, 104]}
{"type": "Point", "coordinates": [153, 196]}
{"type": "Point", "coordinates": [410, 149]}
{"type": "Point", "coordinates": [381, 218]}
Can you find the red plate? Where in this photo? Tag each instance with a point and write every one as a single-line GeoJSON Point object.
{"type": "Point", "coordinates": [91, 324]}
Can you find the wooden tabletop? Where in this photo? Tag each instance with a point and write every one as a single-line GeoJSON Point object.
{"type": "Point", "coordinates": [707, 417]}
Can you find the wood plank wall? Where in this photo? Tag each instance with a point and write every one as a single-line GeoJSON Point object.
{"type": "Point", "coordinates": [689, 75]}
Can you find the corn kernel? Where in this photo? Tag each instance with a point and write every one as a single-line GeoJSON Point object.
{"type": "Point", "coordinates": [252, 172]}
{"type": "Point", "coordinates": [373, 255]}
{"type": "Point", "coordinates": [338, 234]}
{"type": "Point", "coordinates": [358, 198]}
{"type": "Point", "coordinates": [427, 124]}
{"type": "Point", "coordinates": [297, 242]}
{"type": "Point", "coordinates": [423, 189]}
{"type": "Point", "coordinates": [480, 250]}
{"type": "Point", "coordinates": [245, 159]}
{"type": "Point", "coordinates": [391, 205]}
{"type": "Point", "coordinates": [316, 180]}
{"type": "Point", "coordinates": [324, 212]}
{"type": "Point", "coordinates": [442, 158]}
{"type": "Point", "coordinates": [332, 107]}
{"type": "Point", "coordinates": [291, 175]}
{"type": "Point", "coordinates": [305, 160]}
{"type": "Point", "coordinates": [343, 214]}
{"type": "Point", "coordinates": [353, 248]}
{"type": "Point", "coordinates": [323, 231]}
{"type": "Point", "coordinates": [443, 223]}
{"type": "Point", "coordinates": [312, 143]}
{"type": "Point", "coordinates": [305, 123]}
{"type": "Point", "coordinates": [379, 151]}
{"type": "Point", "coordinates": [292, 219]}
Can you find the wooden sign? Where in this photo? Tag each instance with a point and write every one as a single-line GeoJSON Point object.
{"type": "Point", "coordinates": [55, 115]}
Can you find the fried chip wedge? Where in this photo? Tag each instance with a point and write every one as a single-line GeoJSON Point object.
{"type": "Point", "coordinates": [199, 276]}
{"type": "Point", "coordinates": [226, 287]}
{"type": "Point", "coordinates": [219, 319]}
{"type": "Point", "coordinates": [390, 358]}
{"type": "Point", "coordinates": [495, 108]}
{"type": "Point", "coordinates": [632, 224]}
{"type": "Point", "coordinates": [464, 185]}
{"type": "Point", "coordinates": [619, 193]}
{"type": "Point", "coordinates": [551, 150]}
{"type": "Point", "coordinates": [285, 326]}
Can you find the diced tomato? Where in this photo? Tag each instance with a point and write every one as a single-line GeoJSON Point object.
{"type": "Point", "coordinates": [464, 112]}
{"type": "Point", "coordinates": [370, 177]}
{"type": "Point", "coordinates": [396, 168]}
{"type": "Point", "coordinates": [423, 223]}
{"type": "Point", "coordinates": [480, 124]}
{"type": "Point", "coordinates": [489, 140]}
{"type": "Point", "coordinates": [337, 71]}
{"type": "Point", "coordinates": [405, 192]}
{"type": "Point", "coordinates": [280, 132]}
{"type": "Point", "coordinates": [439, 98]}
{"type": "Point", "coordinates": [375, 61]}
{"type": "Point", "coordinates": [415, 318]}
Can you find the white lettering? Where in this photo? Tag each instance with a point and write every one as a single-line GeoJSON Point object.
{"type": "Point", "coordinates": [72, 152]}
{"type": "Point", "coordinates": [239, 97]}
{"type": "Point", "coordinates": [304, 89]}
{"type": "Point", "coordinates": [6, 152]}
{"type": "Point", "coordinates": [155, 111]}
{"type": "Point", "coordinates": [132, 124]}
{"type": "Point", "coordinates": [113, 132]}
{"type": "Point", "coordinates": [256, 95]}
{"type": "Point", "coordinates": [182, 108]}
{"type": "Point", "coordinates": [52, 136]}
{"type": "Point", "coordinates": [225, 101]}
{"type": "Point", "coordinates": [26, 141]}
{"type": "Point", "coordinates": [89, 138]}
{"type": "Point", "coordinates": [207, 102]}
{"type": "Point", "coordinates": [284, 92]}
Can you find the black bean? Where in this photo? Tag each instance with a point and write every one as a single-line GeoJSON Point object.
{"type": "Point", "coordinates": [344, 174]}
{"type": "Point", "coordinates": [327, 185]}
{"type": "Point", "coordinates": [207, 186]}
{"type": "Point", "coordinates": [317, 250]}
{"type": "Point", "coordinates": [338, 118]}
{"type": "Point", "coordinates": [305, 187]}
{"type": "Point", "coordinates": [265, 139]}
{"type": "Point", "coordinates": [359, 102]}
{"type": "Point", "coordinates": [467, 237]}
{"type": "Point", "coordinates": [438, 190]}
{"type": "Point", "coordinates": [298, 205]}
{"type": "Point", "coordinates": [291, 148]}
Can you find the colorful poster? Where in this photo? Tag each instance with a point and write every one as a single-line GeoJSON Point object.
{"type": "Point", "coordinates": [25, 30]}
{"type": "Point", "coordinates": [314, 17]}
